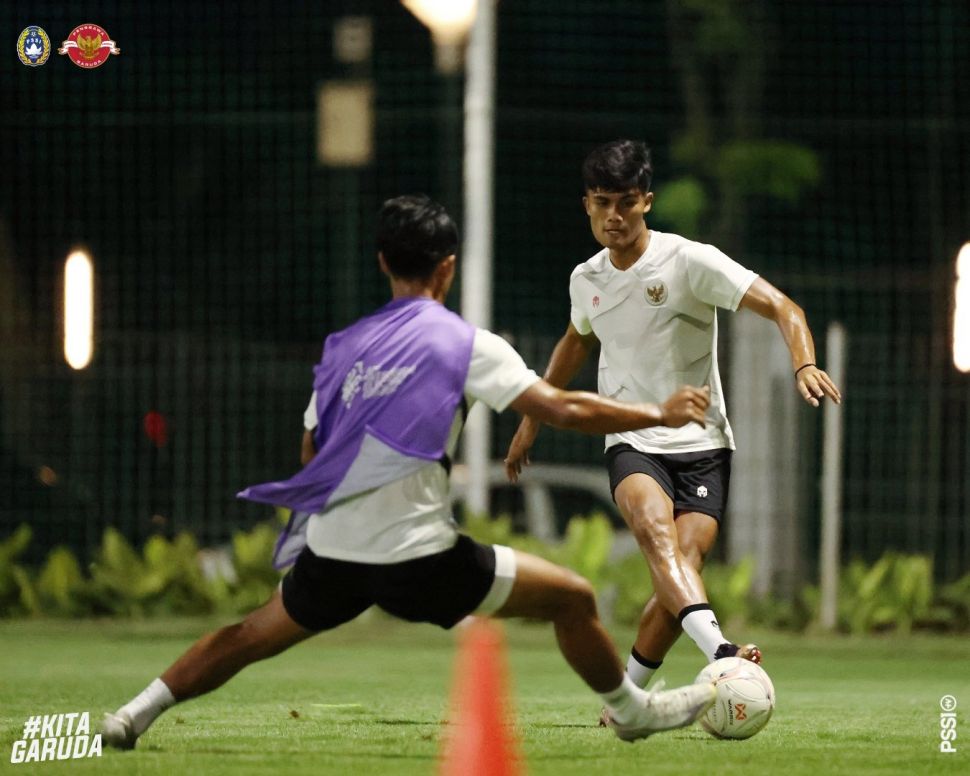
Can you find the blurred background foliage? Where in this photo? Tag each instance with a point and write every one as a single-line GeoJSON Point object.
{"type": "Point", "coordinates": [896, 593]}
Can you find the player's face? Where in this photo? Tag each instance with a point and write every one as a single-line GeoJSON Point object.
{"type": "Point", "coordinates": [616, 217]}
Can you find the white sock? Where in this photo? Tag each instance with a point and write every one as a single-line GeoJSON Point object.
{"type": "Point", "coordinates": [640, 669]}
{"type": "Point", "coordinates": [699, 622]}
{"type": "Point", "coordinates": [145, 707]}
{"type": "Point", "coordinates": [623, 702]}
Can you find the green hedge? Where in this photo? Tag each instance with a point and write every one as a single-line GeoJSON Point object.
{"type": "Point", "coordinates": [895, 593]}
{"type": "Point", "coordinates": [175, 577]}
{"type": "Point", "coordinates": [166, 577]}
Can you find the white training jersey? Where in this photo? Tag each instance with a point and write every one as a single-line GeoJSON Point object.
{"type": "Point", "coordinates": [657, 327]}
{"type": "Point", "coordinates": [411, 517]}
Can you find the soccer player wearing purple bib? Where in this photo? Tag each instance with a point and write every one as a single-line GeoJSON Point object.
{"type": "Point", "coordinates": [372, 523]}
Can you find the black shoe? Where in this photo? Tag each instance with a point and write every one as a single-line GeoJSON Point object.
{"type": "Point", "coordinates": [747, 652]}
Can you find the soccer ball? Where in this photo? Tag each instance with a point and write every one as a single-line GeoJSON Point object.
{"type": "Point", "coordinates": [745, 698]}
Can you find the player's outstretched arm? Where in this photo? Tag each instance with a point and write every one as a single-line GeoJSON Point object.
{"type": "Point", "coordinates": [768, 302]}
{"type": "Point", "coordinates": [591, 413]}
{"type": "Point", "coordinates": [568, 357]}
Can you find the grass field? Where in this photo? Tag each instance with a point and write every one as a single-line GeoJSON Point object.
{"type": "Point", "coordinates": [369, 699]}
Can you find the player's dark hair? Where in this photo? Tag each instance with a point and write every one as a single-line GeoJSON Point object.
{"type": "Point", "coordinates": [619, 165]}
{"type": "Point", "coordinates": [415, 233]}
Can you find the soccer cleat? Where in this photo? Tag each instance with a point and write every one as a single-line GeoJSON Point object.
{"type": "Point", "coordinates": [667, 710]}
{"type": "Point", "coordinates": [747, 652]}
{"type": "Point", "coordinates": [117, 732]}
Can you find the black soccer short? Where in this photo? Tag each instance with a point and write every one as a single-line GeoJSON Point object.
{"type": "Point", "coordinates": [322, 593]}
{"type": "Point", "coordinates": [695, 482]}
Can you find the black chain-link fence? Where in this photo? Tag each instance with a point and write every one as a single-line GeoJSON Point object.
{"type": "Point", "coordinates": [825, 145]}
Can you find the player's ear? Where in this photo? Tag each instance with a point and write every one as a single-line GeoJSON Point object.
{"type": "Point", "coordinates": [586, 205]}
{"type": "Point", "coordinates": [444, 275]}
{"type": "Point", "coordinates": [447, 266]}
{"type": "Point", "coordinates": [647, 201]}
{"type": "Point", "coordinates": [382, 263]}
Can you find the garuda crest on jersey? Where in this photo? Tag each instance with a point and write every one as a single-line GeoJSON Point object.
{"type": "Point", "coordinates": [655, 292]}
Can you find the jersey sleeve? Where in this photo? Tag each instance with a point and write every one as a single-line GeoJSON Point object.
{"type": "Point", "coordinates": [577, 315]}
{"type": "Point", "coordinates": [497, 375]}
{"type": "Point", "coordinates": [715, 278]}
{"type": "Point", "coordinates": [310, 414]}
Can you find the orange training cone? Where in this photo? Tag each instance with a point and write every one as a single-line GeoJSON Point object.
{"type": "Point", "coordinates": [480, 740]}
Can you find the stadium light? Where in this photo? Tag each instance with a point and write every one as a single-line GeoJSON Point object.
{"type": "Point", "coordinates": [78, 309]}
{"type": "Point", "coordinates": [961, 311]}
{"type": "Point", "coordinates": [449, 22]}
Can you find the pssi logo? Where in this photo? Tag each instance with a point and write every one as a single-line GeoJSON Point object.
{"type": "Point", "coordinates": [33, 46]}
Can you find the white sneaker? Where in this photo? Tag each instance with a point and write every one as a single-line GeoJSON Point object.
{"type": "Point", "coordinates": [667, 710]}
{"type": "Point", "coordinates": [117, 732]}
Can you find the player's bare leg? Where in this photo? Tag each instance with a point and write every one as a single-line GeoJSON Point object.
{"type": "Point", "coordinates": [218, 656]}
{"type": "Point", "coordinates": [208, 664]}
{"type": "Point", "coordinates": [677, 583]}
{"type": "Point", "coordinates": [543, 590]}
{"type": "Point", "coordinates": [658, 629]}
{"type": "Point", "coordinates": [649, 513]}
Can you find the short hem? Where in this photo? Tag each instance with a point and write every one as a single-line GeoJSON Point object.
{"type": "Point", "coordinates": [694, 482]}
{"type": "Point", "coordinates": [619, 482]}
{"type": "Point", "coordinates": [678, 511]}
{"type": "Point", "coordinates": [502, 583]}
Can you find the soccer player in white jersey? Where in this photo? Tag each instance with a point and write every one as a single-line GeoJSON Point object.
{"type": "Point", "coordinates": [650, 300]}
{"type": "Point", "coordinates": [397, 546]}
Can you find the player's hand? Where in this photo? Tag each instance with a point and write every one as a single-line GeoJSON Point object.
{"type": "Point", "coordinates": [813, 384]}
{"type": "Point", "coordinates": [518, 454]}
{"type": "Point", "coordinates": [686, 405]}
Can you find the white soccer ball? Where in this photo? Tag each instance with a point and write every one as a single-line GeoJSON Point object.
{"type": "Point", "coordinates": [745, 698]}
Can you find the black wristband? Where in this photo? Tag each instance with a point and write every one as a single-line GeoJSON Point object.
{"type": "Point", "coordinates": [803, 366]}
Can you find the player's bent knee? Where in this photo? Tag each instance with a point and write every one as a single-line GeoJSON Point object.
{"type": "Point", "coordinates": [655, 534]}
{"type": "Point", "coordinates": [695, 557]}
{"type": "Point", "coordinates": [578, 599]}
{"type": "Point", "coordinates": [646, 515]}
{"type": "Point", "coordinates": [545, 591]}
{"type": "Point", "coordinates": [694, 554]}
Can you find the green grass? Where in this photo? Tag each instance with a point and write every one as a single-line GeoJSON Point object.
{"type": "Point", "coordinates": [845, 705]}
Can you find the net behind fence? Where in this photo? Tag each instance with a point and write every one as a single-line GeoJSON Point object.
{"type": "Point", "coordinates": [826, 145]}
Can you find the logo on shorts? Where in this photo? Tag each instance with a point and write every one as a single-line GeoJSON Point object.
{"type": "Point", "coordinates": [596, 301]}
{"type": "Point", "coordinates": [655, 293]}
{"type": "Point", "coordinates": [33, 46]}
{"type": "Point", "coordinates": [702, 491]}
{"type": "Point", "coordinates": [88, 46]}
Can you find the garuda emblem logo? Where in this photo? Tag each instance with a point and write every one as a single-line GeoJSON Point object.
{"type": "Point", "coordinates": [88, 46]}
{"type": "Point", "coordinates": [655, 293]}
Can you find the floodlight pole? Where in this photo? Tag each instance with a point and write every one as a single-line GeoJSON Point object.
{"type": "Point", "coordinates": [476, 259]}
